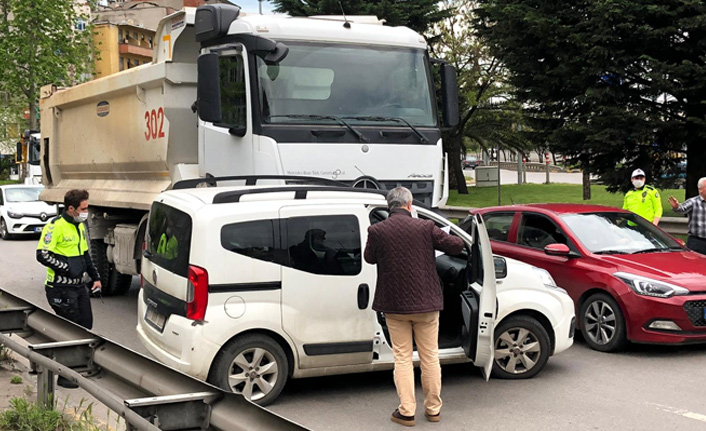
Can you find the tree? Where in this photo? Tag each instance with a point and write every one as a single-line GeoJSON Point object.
{"type": "Point", "coordinates": [39, 45]}
{"type": "Point", "coordinates": [419, 15]}
{"type": "Point", "coordinates": [616, 84]}
{"type": "Point", "coordinates": [489, 114]}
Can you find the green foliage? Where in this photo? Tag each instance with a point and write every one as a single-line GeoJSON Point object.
{"type": "Point", "coordinates": [611, 83]}
{"type": "Point", "coordinates": [490, 117]}
{"type": "Point", "coordinates": [419, 15]}
{"type": "Point", "coordinates": [39, 45]}
{"type": "Point", "coordinates": [16, 380]}
{"type": "Point", "coordinates": [479, 197]}
{"type": "Point", "coordinates": [26, 416]}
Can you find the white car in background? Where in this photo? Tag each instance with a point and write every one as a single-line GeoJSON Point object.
{"type": "Point", "coordinates": [21, 211]}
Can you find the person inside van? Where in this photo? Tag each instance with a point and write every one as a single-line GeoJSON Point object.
{"type": "Point", "coordinates": [168, 246]}
{"type": "Point", "coordinates": [313, 255]}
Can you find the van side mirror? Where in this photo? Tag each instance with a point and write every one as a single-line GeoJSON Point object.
{"type": "Point", "coordinates": [557, 249]}
{"type": "Point", "coordinates": [449, 94]}
{"type": "Point", "coordinates": [208, 90]}
{"type": "Point", "coordinates": [500, 267]}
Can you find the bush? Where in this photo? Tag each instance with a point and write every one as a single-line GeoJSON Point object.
{"type": "Point", "coordinates": [16, 380]}
{"type": "Point", "coordinates": [26, 416]}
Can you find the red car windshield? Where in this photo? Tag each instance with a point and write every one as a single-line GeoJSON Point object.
{"type": "Point", "coordinates": [618, 233]}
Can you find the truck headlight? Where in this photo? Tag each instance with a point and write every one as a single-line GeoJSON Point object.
{"type": "Point", "coordinates": [14, 214]}
{"type": "Point", "coordinates": [649, 287]}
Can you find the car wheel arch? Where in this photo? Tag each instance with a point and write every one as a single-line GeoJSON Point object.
{"type": "Point", "coordinates": [266, 332]}
{"type": "Point", "coordinates": [539, 317]}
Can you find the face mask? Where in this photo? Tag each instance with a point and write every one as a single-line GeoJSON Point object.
{"type": "Point", "coordinates": [413, 212]}
{"type": "Point", "coordinates": [81, 217]}
{"type": "Point", "coordinates": [638, 183]}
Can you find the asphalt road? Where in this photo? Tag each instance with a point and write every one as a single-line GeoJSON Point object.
{"type": "Point", "coordinates": [644, 388]}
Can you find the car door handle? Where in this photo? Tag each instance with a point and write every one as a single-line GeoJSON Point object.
{"type": "Point", "coordinates": [363, 296]}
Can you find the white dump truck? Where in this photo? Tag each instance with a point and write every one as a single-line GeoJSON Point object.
{"type": "Point", "coordinates": [229, 94]}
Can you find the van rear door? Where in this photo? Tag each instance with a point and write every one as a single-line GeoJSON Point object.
{"type": "Point", "coordinates": [165, 264]}
{"type": "Point", "coordinates": [478, 302]}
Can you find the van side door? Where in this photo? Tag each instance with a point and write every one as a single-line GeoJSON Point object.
{"type": "Point", "coordinates": [478, 302]}
{"type": "Point", "coordinates": [326, 300]}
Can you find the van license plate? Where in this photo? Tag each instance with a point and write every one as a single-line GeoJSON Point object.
{"type": "Point", "coordinates": [155, 318]}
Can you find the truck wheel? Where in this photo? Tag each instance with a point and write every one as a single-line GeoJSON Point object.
{"type": "Point", "coordinates": [521, 348]}
{"type": "Point", "coordinates": [113, 282]}
{"type": "Point", "coordinates": [254, 365]}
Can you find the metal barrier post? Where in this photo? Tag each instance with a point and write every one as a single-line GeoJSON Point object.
{"type": "Point", "coordinates": [45, 387]}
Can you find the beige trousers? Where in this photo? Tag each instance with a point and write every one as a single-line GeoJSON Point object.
{"type": "Point", "coordinates": [423, 328]}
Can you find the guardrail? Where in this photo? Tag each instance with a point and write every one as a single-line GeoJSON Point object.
{"type": "Point", "coordinates": [528, 166]}
{"type": "Point", "coordinates": [148, 395]}
{"type": "Point", "coordinates": [671, 225]}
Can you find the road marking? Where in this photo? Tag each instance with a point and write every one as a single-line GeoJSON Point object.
{"type": "Point", "coordinates": [680, 412]}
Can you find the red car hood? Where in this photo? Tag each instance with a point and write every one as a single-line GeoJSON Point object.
{"type": "Point", "coordinates": [684, 268]}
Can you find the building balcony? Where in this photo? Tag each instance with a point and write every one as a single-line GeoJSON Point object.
{"type": "Point", "coordinates": [126, 48]}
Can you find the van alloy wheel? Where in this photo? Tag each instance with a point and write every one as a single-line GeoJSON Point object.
{"type": "Point", "coordinates": [254, 373]}
{"type": "Point", "coordinates": [254, 365]}
{"type": "Point", "coordinates": [521, 348]}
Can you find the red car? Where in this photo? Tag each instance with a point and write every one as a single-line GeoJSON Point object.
{"type": "Point", "coordinates": [630, 281]}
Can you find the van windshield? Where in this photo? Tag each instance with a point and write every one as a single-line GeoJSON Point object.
{"type": "Point", "coordinates": [365, 84]}
{"type": "Point", "coordinates": [169, 239]}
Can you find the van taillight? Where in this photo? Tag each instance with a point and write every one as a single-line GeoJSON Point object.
{"type": "Point", "coordinates": [197, 293]}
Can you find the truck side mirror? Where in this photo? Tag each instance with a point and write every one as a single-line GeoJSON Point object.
{"type": "Point", "coordinates": [18, 156]}
{"type": "Point", "coordinates": [208, 90]}
{"type": "Point", "coordinates": [449, 92]}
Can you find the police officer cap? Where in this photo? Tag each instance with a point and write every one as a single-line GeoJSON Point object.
{"type": "Point", "coordinates": [638, 173]}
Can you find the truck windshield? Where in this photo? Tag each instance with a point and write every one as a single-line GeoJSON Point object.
{"type": "Point", "coordinates": [361, 84]}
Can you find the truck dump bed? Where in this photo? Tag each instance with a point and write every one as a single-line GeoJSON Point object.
{"type": "Point", "coordinates": [128, 136]}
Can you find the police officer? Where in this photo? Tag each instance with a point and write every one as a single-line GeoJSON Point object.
{"type": "Point", "coordinates": [643, 200]}
{"type": "Point", "coordinates": [63, 249]}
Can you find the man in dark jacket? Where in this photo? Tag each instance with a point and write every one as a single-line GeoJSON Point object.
{"type": "Point", "coordinates": [410, 294]}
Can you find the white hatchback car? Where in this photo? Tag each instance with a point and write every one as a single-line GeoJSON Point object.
{"type": "Point", "coordinates": [238, 290]}
{"type": "Point", "coordinates": [21, 211]}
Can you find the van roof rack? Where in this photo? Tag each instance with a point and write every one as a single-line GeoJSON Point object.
{"type": "Point", "coordinates": [251, 180]}
{"type": "Point", "coordinates": [300, 192]}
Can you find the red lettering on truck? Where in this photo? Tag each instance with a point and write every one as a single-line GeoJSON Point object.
{"type": "Point", "coordinates": [153, 129]}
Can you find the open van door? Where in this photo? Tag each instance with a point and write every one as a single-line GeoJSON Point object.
{"type": "Point", "coordinates": [478, 302]}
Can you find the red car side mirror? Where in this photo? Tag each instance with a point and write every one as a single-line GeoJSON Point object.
{"type": "Point", "coordinates": [557, 249]}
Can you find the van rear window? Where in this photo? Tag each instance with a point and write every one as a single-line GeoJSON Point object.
{"type": "Point", "coordinates": [169, 238]}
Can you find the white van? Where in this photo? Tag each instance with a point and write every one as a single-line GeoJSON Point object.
{"type": "Point", "coordinates": [247, 286]}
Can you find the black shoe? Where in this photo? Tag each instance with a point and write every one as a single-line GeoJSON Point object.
{"type": "Point", "coordinates": [66, 383]}
{"type": "Point", "coordinates": [399, 418]}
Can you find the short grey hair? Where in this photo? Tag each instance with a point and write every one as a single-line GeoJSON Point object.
{"type": "Point", "coordinates": [700, 184]}
{"type": "Point", "coordinates": [398, 197]}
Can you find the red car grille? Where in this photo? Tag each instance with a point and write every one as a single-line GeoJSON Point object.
{"type": "Point", "coordinates": [695, 311]}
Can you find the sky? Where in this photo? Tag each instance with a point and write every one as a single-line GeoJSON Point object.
{"type": "Point", "coordinates": [252, 6]}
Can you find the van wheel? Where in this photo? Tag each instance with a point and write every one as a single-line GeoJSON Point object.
{"type": "Point", "coordinates": [521, 348]}
{"type": "Point", "coordinates": [113, 283]}
{"type": "Point", "coordinates": [253, 365]}
{"type": "Point", "coordinates": [602, 323]}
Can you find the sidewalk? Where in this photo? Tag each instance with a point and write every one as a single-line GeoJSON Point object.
{"type": "Point", "coordinates": [73, 402]}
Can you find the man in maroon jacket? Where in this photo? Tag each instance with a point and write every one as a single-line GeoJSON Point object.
{"type": "Point", "coordinates": [410, 294]}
